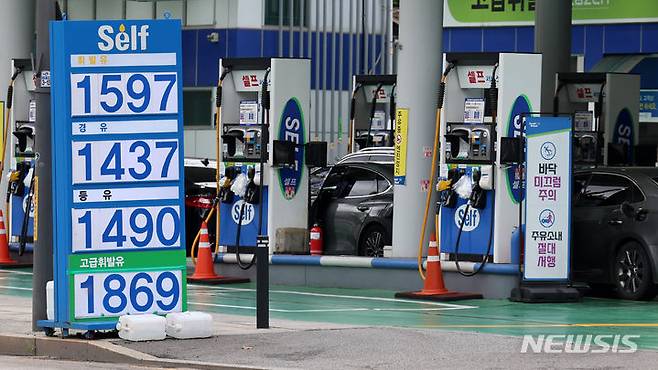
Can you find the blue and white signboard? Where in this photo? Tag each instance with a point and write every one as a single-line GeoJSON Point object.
{"type": "Point", "coordinates": [118, 188]}
{"type": "Point", "coordinates": [648, 105]}
{"type": "Point", "coordinates": [548, 198]}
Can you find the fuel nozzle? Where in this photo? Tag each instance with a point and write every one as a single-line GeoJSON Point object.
{"type": "Point", "coordinates": [449, 196]}
{"type": "Point", "coordinates": [224, 194]}
{"type": "Point", "coordinates": [251, 194]}
{"type": "Point", "coordinates": [476, 175]}
{"type": "Point", "coordinates": [478, 196]}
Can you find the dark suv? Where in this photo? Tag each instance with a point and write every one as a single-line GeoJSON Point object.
{"type": "Point", "coordinates": [355, 204]}
{"type": "Point", "coordinates": [615, 233]}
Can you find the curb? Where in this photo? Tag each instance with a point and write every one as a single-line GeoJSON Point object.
{"type": "Point", "coordinates": [370, 262]}
{"type": "Point", "coordinates": [95, 351]}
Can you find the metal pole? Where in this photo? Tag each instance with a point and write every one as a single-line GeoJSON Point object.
{"type": "Point", "coordinates": [291, 14]}
{"type": "Point", "coordinates": [390, 48]}
{"type": "Point", "coordinates": [373, 35]}
{"type": "Point", "coordinates": [316, 108]}
{"type": "Point", "coordinates": [383, 55]}
{"type": "Point", "coordinates": [43, 250]}
{"type": "Point", "coordinates": [324, 71]}
{"type": "Point", "coordinates": [332, 66]}
{"type": "Point", "coordinates": [420, 61]}
{"type": "Point", "coordinates": [357, 67]}
{"type": "Point", "coordinates": [262, 283]}
{"type": "Point", "coordinates": [553, 40]}
{"type": "Point", "coordinates": [302, 13]}
{"type": "Point", "coordinates": [281, 28]}
{"type": "Point", "coordinates": [341, 97]}
{"type": "Point", "coordinates": [262, 29]}
{"type": "Point", "coordinates": [366, 42]}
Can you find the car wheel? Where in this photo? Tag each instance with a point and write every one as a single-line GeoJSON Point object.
{"type": "Point", "coordinates": [373, 240]}
{"type": "Point", "coordinates": [632, 273]}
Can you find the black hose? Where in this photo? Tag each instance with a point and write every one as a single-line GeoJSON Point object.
{"type": "Point", "coordinates": [442, 86]}
{"type": "Point", "coordinates": [353, 102]}
{"type": "Point", "coordinates": [218, 97]}
{"type": "Point", "coordinates": [489, 243]}
{"type": "Point", "coordinates": [244, 266]}
{"type": "Point", "coordinates": [391, 112]}
{"type": "Point", "coordinates": [10, 88]}
{"type": "Point", "coordinates": [372, 112]}
{"type": "Point", "coordinates": [352, 131]}
{"type": "Point", "coordinates": [442, 94]}
{"type": "Point", "coordinates": [10, 94]}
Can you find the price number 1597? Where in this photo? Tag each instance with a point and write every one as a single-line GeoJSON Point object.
{"type": "Point", "coordinates": [123, 94]}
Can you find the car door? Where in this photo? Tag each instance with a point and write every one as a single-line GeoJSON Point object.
{"type": "Point", "coordinates": [580, 237]}
{"type": "Point", "coordinates": [344, 215]}
{"type": "Point", "coordinates": [325, 205]}
{"type": "Point", "coordinates": [598, 223]}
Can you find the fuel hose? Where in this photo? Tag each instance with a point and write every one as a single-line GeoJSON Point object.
{"type": "Point", "coordinates": [428, 199]}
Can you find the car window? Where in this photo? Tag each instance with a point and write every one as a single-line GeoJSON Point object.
{"type": "Point", "coordinates": [609, 190]}
{"type": "Point", "coordinates": [334, 177]}
{"type": "Point", "coordinates": [199, 175]}
{"type": "Point", "coordinates": [382, 184]}
{"type": "Point", "coordinates": [365, 182]}
{"type": "Point", "coordinates": [579, 184]}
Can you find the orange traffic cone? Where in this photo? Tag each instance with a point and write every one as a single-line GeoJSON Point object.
{"type": "Point", "coordinates": [5, 258]}
{"type": "Point", "coordinates": [434, 288]}
{"type": "Point", "coordinates": [204, 273]}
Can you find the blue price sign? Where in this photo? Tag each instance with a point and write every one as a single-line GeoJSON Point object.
{"type": "Point", "coordinates": [118, 170]}
{"type": "Point", "coordinates": [648, 105]}
{"type": "Point", "coordinates": [111, 294]}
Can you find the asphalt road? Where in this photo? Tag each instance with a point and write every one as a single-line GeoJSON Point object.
{"type": "Point", "coordinates": [384, 348]}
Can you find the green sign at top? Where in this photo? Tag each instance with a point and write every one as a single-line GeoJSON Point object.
{"type": "Point", "coordinates": [464, 13]}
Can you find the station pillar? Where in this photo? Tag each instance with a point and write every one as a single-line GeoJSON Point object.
{"type": "Point", "coordinates": [419, 73]}
{"type": "Point", "coordinates": [43, 245]}
{"type": "Point", "coordinates": [553, 41]}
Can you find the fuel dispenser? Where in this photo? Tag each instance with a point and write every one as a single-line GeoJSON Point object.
{"type": "Point", "coordinates": [20, 135]}
{"type": "Point", "coordinates": [605, 107]}
{"type": "Point", "coordinates": [485, 95]}
{"type": "Point", "coordinates": [372, 111]}
{"type": "Point", "coordinates": [264, 134]}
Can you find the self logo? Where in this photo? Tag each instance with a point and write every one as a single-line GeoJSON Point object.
{"type": "Point", "coordinates": [514, 127]}
{"type": "Point", "coordinates": [133, 39]}
{"type": "Point", "coordinates": [291, 128]}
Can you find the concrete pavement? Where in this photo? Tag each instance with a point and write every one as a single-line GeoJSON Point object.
{"type": "Point", "coordinates": [328, 329]}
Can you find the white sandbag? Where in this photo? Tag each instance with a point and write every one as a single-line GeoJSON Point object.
{"type": "Point", "coordinates": [142, 327]}
{"type": "Point", "coordinates": [190, 324]}
{"type": "Point", "coordinates": [50, 300]}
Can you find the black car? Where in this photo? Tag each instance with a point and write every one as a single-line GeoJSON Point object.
{"type": "Point", "coordinates": [200, 190]}
{"type": "Point", "coordinates": [615, 230]}
{"type": "Point", "coordinates": [355, 204]}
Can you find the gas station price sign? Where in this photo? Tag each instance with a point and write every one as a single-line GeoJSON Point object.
{"type": "Point", "coordinates": [118, 186]}
{"type": "Point", "coordinates": [548, 199]}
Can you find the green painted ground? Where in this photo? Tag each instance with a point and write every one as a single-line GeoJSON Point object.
{"type": "Point", "coordinates": [379, 308]}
